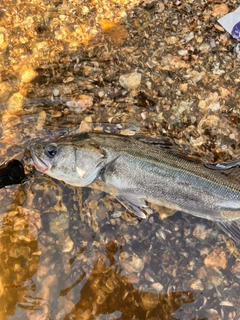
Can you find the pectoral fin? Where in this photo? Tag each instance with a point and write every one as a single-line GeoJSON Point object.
{"type": "Point", "coordinates": [231, 228]}
{"type": "Point", "coordinates": [108, 169]}
{"type": "Point", "coordinates": [134, 204]}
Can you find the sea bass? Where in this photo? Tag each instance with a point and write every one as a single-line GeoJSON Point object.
{"type": "Point", "coordinates": [143, 173]}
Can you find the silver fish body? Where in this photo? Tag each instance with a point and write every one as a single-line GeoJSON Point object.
{"type": "Point", "coordinates": [142, 172]}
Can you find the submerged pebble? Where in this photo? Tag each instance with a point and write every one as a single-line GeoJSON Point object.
{"type": "Point", "coordinates": [130, 81]}
{"type": "Point", "coordinates": [131, 263]}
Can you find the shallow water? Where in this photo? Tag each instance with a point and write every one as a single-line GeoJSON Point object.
{"type": "Point", "coordinates": [72, 253]}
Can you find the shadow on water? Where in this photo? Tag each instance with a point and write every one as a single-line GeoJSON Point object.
{"type": "Point", "coordinates": [43, 278]}
{"type": "Point", "coordinates": [18, 254]}
{"type": "Point", "coordinates": [65, 254]}
{"type": "Point", "coordinates": [109, 295]}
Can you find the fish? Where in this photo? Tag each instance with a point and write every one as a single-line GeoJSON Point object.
{"type": "Point", "coordinates": [143, 173]}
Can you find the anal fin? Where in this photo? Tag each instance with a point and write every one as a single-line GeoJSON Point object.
{"type": "Point", "coordinates": [231, 228]}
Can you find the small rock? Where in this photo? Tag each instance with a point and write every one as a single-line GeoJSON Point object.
{"type": "Point", "coordinates": [224, 92]}
{"type": "Point", "coordinates": [68, 79]}
{"type": "Point", "coordinates": [87, 71]}
{"type": "Point", "coordinates": [5, 91]}
{"type": "Point", "coordinates": [130, 81]}
{"type": "Point", "coordinates": [131, 263]}
{"type": "Point", "coordinates": [101, 93]}
{"type": "Point", "coordinates": [212, 101]}
{"type": "Point", "coordinates": [149, 300]}
{"type": "Point", "coordinates": [15, 102]}
{"type": "Point", "coordinates": [188, 37]}
{"type": "Point", "coordinates": [226, 303]}
{"type": "Point", "coordinates": [208, 121]}
{"type": "Point", "coordinates": [216, 258]}
{"type": "Point", "coordinates": [200, 232]}
{"type": "Point", "coordinates": [236, 269]}
{"type": "Point", "coordinates": [27, 74]}
{"type": "Point", "coordinates": [171, 40]}
{"type": "Point", "coordinates": [172, 63]}
{"type": "Point", "coordinates": [183, 52]}
{"type": "Point", "coordinates": [204, 47]}
{"type": "Point", "coordinates": [195, 75]}
{"type": "Point", "coordinates": [183, 87]}
{"type": "Point", "coordinates": [79, 105]}
{"type": "Point", "coordinates": [59, 223]}
{"type": "Point", "coordinates": [160, 7]}
{"type": "Point", "coordinates": [132, 278]}
{"type": "Point", "coordinates": [201, 273]}
{"type": "Point", "coordinates": [196, 284]}
{"type": "Point", "coordinates": [149, 276]}
{"type": "Point", "coordinates": [157, 286]}
{"type": "Point", "coordinates": [220, 10]}
{"type": "Point", "coordinates": [55, 92]}
{"type": "Point", "coordinates": [215, 276]}
{"type": "Point", "coordinates": [116, 214]}
{"type": "Point", "coordinates": [202, 104]}
{"type": "Point", "coordinates": [85, 10]}
{"type": "Point", "coordinates": [65, 243]}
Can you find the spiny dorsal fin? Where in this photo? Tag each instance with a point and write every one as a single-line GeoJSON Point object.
{"type": "Point", "coordinates": [169, 145]}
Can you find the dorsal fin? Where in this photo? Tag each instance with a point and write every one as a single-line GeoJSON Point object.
{"type": "Point", "coordinates": [169, 145]}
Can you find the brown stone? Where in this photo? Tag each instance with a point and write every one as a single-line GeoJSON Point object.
{"type": "Point", "coordinates": [217, 258]}
{"type": "Point", "coordinates": [220, 10]}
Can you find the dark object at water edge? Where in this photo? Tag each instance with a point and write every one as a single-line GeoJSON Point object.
{"type": "Point", "coordinates": [11, 173]}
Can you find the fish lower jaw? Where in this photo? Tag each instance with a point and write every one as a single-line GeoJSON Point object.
{"type": "Point", "coordinates": [40, 165]}
{"type": "Point", "coordinates": [41, 169]}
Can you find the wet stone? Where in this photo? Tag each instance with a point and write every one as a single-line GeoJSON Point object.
{"type": "Point", "coordinates": [200, 232]}
{"type": "Point", "coordinates": [150, 300]}
{"type": "Point", "coordinates": [201, 273]}
{"type": "Point", "coordinates": [5, 91]}
{"type": "Point", "coordinates": [157, 286]}
{"type": "Point", "coordinates": [196, 284]}
{"type": "Point", "coordinates": [65, 243]}
{"type": "Point", "coordinates": [236, 269]}
{"type": "Point", "coordinates": [220, 10]}
{"type": "Point", "coordinates": [130, 81]}
{"type": "Point", "coordinates": [80, 104]}
{"type": "Point", "coordinates": [59, 223]}
{"type": "Point", "coordinates": [216, 258]}
{"type": "Point", "coordinates": [131, 263]}
{"type": "Point", "coordinates": [214, 276]}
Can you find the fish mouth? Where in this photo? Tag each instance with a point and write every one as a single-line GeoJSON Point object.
{"type": "Point", "coordinates": [38, 162]}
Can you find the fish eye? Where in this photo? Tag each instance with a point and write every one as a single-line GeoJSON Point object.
{"type": "Point", "coordinates": [51, 150]}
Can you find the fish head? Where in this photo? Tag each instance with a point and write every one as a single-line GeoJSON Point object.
{"type": "Point", "coordinates": [75, 162]}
